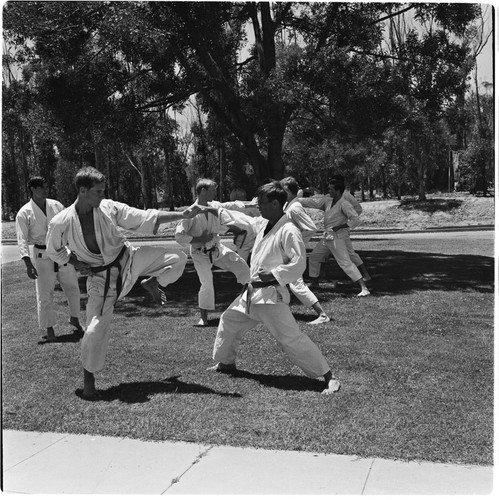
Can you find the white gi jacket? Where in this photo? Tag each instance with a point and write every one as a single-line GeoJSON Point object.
{"type": "Point", "coordinates": [65, 232]}
{"type": "Point", "coordinates": [187, 229]}
{"type": "Point", "coordinates": [334, 215]}
{"type": "Point", "coordinates": [65, 235]}
{"type": "Point", "coordinates": [294, 210]}
{"type": "Point", "coordinates": [281, 251]}
{"type": "Point", "coordinates": [32, 224]}
{"type": "Point", "coordinates": [353, 201]}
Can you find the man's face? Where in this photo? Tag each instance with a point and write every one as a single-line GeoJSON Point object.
{"type": "Point", "coordinates": [95, 194]}
{"type": "Point", "coordinates": [331, 190]}
{"type": "Point", "coordinates": [211, 192]}
{"type": "Point", "coordinates": [40, 192]}
{"type": "Point", "coordinates": [266, 207]}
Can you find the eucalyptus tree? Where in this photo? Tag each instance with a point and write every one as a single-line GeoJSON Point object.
{"type": "Point", "coordinates": [256, 66]}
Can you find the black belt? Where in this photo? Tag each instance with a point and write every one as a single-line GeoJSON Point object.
{"type": "Point", "coordinates": [209, 252]}
{"type": "Point", "coordinates": [44, 247]}
{"type": "Point", "coordinates": [248, 288]}
{"type": "Point", "coordinates": [240, 238]}
{"type": "Point", "coordinates": [119, 282]}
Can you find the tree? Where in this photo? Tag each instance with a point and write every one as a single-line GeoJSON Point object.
{"type": "Point", "coordinates": [257, 67]}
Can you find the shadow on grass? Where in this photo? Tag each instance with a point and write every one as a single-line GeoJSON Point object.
{"type": "Point", "coordinates": [397, 272]}
{"type": "Point", "coordinates": [182, 296]}
{"type": "Point", "coordinates": [431, 206]}
{"type": "Point", "coordinates": [283, 382]}
{"type": "Point", "coordinates": [140, 392]}
{"type": "Point", "coordinates": [394, 272]}
{"type": "Point", "coordinates": [74, 338]}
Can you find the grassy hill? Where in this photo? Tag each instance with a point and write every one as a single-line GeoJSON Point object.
{"type": "Point", "coordinates": [440, 210]}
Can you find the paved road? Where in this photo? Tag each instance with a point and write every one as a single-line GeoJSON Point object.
{"type": "Point", "coordinates": [10, 252]}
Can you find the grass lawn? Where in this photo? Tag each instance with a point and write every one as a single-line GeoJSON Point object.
{"type": "Point", "coordinates": [415, 360]}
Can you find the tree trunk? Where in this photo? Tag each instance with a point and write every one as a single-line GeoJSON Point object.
{"type": "Point", "coordinates": [383, 181]}
{"type": "Point", "coordinates": [362, 193]}
{"type": "Point", "coordinates": [24, 161]}
{"type": "Point", "coordinates": [221, 168]}
{"type": "Point", "coordinates": [275, 163]}
{"type": "Point", "coordinates": [421, 171]}
{"type": "Point", "coordinates": [169, 180]}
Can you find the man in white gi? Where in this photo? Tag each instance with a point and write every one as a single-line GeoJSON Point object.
{"type": "Point", "coordinates": [354, 256]}
{"type": "Point", "coordinates": [306, 225]}
{"type": "Point", "coordinates": [31, 225]}
{"type": "Point", "coordinates": [201, 235]}
{"type": "Point", "coordinates": [278, 259]}
{"type": "Point", "coordinates": [86, 235]}
{"type": "Point", "coordinates": [339, 218]}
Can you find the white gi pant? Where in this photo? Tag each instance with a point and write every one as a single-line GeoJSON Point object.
{"type": "Point", "coordinates": [303, 293]}
{"type": "Point", "coordinates": [143, 261]}
{"type": "Point", "coordinates": [45, 288]}
{"type": "Point", "coordinates": [343, 253]}
{"type": "Point", "coordinates": [235, 322]}
{"type": "Point", "coordinates": [224, 258]}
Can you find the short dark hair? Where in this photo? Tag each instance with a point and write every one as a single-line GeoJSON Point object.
{"type": "Point", "coordinates": [238, 194]}
{"type": "Point", "coordinates": [88, 177]}
{"type": "Point", "coordinates": [204, 184]}
{"type": "Point", "coordinates": [336, 178]}
{"type": "Point", "coordinates": [291, 184]}
{"type": "Point", "coordinates": [273, 191]}
{"type": "Point", "coordinates": [36, 181]}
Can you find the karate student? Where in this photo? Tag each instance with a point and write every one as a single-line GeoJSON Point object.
{"type": "Point", "coordinates": [278, 259]}
{"type": "Point", "coordinates": [354, 256]}
{"type": "Point", "coordinates": [339, 218]}
{"type": "Point", "coordinates": [201, 235]}
{"type": "Point", "coordinates": [306, 225]}
{"type": "Point", "coordinates": [86, 235]}
{"type": "Point", "coordinates": [31, 226]}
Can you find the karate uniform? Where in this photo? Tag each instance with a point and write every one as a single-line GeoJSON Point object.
{"type": "Point", "coordinates": [212, 253]}
{"type": "Point", "coordinates": [31, 228]}
{"type": "Point", "coordinates": [295, 212]}
{"type": "Point", "coordinates": [243, 242]}
{"type": "Point", "coordinates": [336, 242]}
{"type": "Point", "coordinates": [282, 252]}
{"type": "Point", "coordinates": [65, 235]}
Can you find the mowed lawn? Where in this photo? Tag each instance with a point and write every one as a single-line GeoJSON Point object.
{"type": "Point", "coordinates": [415, 360]}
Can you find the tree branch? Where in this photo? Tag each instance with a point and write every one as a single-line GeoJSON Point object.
{"type": "Point", "coordinates": [393, 14]}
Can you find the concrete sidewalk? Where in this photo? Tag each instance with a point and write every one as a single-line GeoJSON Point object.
{"type": "Point", "coordinates": [49, 463]}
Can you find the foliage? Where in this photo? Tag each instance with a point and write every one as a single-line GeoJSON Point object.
{"type": "Point", "coordinates": [271, 81]}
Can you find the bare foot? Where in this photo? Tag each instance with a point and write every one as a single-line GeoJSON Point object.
{"type": "Point", "coordinates": [332, 386]}
{"type": "Point", "coordinates": [323, 318]}
{"type": "Point", "coordinates": [152, 286]}
{"type": "Point", "coordinates": [223, 368]}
